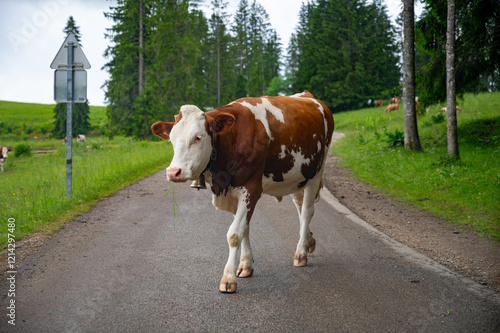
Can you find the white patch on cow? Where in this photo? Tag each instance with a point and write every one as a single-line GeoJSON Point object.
{"type": "Point", "coordinates": [260, 113]}
{"type": "Point", "coordinates": [299, 94]}
{"type": "Point", "coordinates": [290, 179]}
{"type": "Point", "coordinates": [230, 199]}
{"type": "Point", "coordinates": [319, 145]}
{"type": "Point", "coordinates": [190, 155]}
{"type": "Point", "coordinates": [282, 154]}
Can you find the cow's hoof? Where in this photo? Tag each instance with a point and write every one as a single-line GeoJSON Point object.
{"type": "Point", "coordinates": [244, 271]}
{"type": "Point", "coordinates": [228, 287]}
{"type": "Point", "coordinates": [311, 245]}
{"type": "Point", "coordinates": [300, 260]}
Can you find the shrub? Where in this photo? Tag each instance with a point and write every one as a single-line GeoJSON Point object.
{"type": "Point", "coordinates": [438, 118]}
{"type": "Point", "coordinates": [22, 149]}
{"type": "Point", "coordinates": [395, 138]}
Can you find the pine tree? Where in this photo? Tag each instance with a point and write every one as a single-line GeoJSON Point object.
{"type": "Point", "coordinates": [477, 48]}
{"type": "Point", "coordinates": [344, 52]}
{"type": "Point", "coordinates": [81, 111]}
{"type": "Point", "coordinates": [221, 65]}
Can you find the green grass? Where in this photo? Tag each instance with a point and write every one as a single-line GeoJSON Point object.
{"type": "Point", "coordinates": [34, 188]}
{"type": "Point", "coordinates": [26, 112]}
{"type": "Point", "coordinates": [27, 120]}
{"type": "Point", "coordinates": [464, 192]}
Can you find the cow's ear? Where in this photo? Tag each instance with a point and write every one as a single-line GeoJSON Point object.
{"type": "Point", "coordinates": [162, 129]}
{"type": "Point", "coordinates": [221, 123]}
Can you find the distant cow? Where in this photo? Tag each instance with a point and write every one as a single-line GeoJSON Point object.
{"type": "Point", "coordinates": [3, 155]}
{"type": "Point", "coordinates": [443, 110]}
{"type": "Point", "coordinates": [253, 146]}
{"type": "Point", "coordinates": [79, 138]}
{"type": "Point", "coordinates": [379, 103]}
{"type": "Point", "coordinates": [392, 107]}
{"type": "Point", "coordinates": [395, 100]}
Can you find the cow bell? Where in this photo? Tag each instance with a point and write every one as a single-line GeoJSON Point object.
{"type": "Point", "coordinates": [199, 183]}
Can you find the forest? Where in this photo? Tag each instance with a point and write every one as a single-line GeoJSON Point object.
{"type": "Point", "coordinates": [167, 53]}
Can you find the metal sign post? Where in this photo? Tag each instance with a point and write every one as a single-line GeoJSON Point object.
{"type": "Point", "coordinates": [69, 124]}
{"type": "Point", "coordinates": [70, 58]}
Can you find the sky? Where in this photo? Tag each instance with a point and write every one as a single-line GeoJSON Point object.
{"type": "Point", "coordinates": [31, 35]}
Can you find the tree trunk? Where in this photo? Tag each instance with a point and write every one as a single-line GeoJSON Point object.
{"type": "Point", "coordinates": [141, 47]}
{"type": "Point", "coordinates": [450, 83]}
{"type": "Point", "coordinates": [412, 141]}
{"type": "Point", "coordinates": [218, 60]}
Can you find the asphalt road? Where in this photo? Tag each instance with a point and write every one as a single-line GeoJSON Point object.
{"type": "Point", "coordinates": [123, 268]}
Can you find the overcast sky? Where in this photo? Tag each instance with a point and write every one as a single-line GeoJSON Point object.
{"type": "Point", "coordinates": [31, 34]}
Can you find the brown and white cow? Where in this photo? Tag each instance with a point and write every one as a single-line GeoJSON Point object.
{"type": "Point", "coordinates": [253, 146]}
{"type": "Point", "coordinates": [391, 107]}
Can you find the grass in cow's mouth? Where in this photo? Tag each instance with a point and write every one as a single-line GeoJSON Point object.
{"type": "Point", "coordinates": [174, 203]}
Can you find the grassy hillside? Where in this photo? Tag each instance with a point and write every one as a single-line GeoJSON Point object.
{"type": "Point", "coordinates": [22, 121]}
{"type": "Point", "coordinates": [466, 192]}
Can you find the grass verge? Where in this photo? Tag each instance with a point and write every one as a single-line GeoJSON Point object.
{"type": "Point", "coordinates": [464, 192]}
{"type": "Point", "coordinates": [34, 188]}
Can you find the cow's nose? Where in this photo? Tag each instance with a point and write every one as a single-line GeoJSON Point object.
{"type": "Point", "coordinates": [174, 175]}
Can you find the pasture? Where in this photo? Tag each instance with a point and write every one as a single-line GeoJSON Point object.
{"type": "Point", "coordinates": [34, 188]}
{"type": "Point", "coordinates": [465, 192]}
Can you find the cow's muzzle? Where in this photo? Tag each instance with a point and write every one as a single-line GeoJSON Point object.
{"type": "Point", "coordinates": [175, 175]}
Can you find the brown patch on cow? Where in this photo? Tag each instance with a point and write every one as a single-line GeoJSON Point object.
{"type": "Point", "coordinates": [178, 117]}
{"type": "Point", "coordinates": [234, 240]}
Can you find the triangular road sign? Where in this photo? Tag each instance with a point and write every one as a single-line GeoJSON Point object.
{"type": "Point", "coordinates": [79, 58]}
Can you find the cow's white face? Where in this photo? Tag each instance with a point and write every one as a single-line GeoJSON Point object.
{"type": "Point", "coordinates": [192, 145]}
{"type": "Point", "coordinates": [191, 141]}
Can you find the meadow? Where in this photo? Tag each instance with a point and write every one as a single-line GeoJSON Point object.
{"type": "Point", "coordinates": [464, 192]}
{"type": "Point", "coordinates": [34, 187]}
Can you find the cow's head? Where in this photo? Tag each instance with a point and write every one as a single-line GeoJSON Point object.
{"type": "Point", "coordinates": [191, 136]}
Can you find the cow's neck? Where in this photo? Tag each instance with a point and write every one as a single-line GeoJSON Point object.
{"type": "Point", "coordinates": [213, 155]}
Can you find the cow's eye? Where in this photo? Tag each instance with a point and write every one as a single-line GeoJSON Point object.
{"type": "Point", "coordinates": [197, 138]}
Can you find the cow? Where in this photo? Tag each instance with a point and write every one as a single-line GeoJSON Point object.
{"type": "Point", "coordinates": [395, 100]}
{"type": "Point", "coordinates": [249, 147]}
{"type": "Point", "coordinates": [79, 138]}
{"type": "Point", "coordinates": [3, 156]}
{"type": "Point", "coordinates": [392, 107]}
{"type": "Point", "coordinates": [444, 110]}
{"type": "Point", "coordinates": [379, 103]}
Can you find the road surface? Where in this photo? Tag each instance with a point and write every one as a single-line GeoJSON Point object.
{"type": "Point", "coordinates": [122, 267]}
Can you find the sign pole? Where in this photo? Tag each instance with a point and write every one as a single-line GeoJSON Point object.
{"type": "Point", "coordinates": [69, 127]}
{"type": "Point", "coordinates": [70, 88]}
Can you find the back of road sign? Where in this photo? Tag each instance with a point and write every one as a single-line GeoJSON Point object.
{"type": "Point", "coordinates": [79, 86]}
{"type": "Point", "coordinates": [79, 58]}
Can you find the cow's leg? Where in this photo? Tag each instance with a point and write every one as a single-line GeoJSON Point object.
{"type": "Point", "coordinates": [235, 237]}
{"type": "Point", "coordinates": [305, 207]}
{"type": "Point", "coordinates": [298, 199]}
{"type": "Point", "coordinates": [245, 269]}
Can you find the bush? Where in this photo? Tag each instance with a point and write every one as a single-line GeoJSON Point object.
{"type": "Point", "coordinates": [395, 138]}
{"type": "Point", "coordinates": [22, 149]}
{"type": "Point", "coordinates": [438, 118]}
